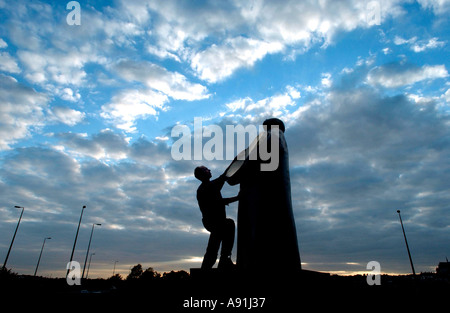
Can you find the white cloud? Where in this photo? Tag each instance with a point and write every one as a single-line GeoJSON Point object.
{"type": "Point", "coordinates": [401, 41]}
{"type": "Point", "coordinates": [447, 96]}
{"type": "Point", "coordinates": [162, 53]}
{"type": "Point", "coordinates": [69, 95]}
{"type": "Point", "coordinates": [271, 105]}
{"type": "Point", "coordinates": [32, 60]}
{"type": "Point", "coordinates": [220, 61]}
{"type": "Point", "coordinates": [419, 45]}
{"type": "Point", "coordinates": [294, 93]}
{"type": "Point", "coordinates": [66, 94]}
{"type": "Point", "coordinates": [438, 6]}
{"type": "Point", "coordinates": [183, 25]}
{"type": "Point", "coordinates": [101, 146]}
{"type": "Point", "coordinates": [275, 106]}
{"type": "Point", "coordinates": [387, 51]}
{"type": "Point", "coordinates": [151, 153]}
{"type": "Point", "coordinates": [173, 84]}
{"type": "Point", "coordinates": [419, 99]}
{"type": "Point", "coordinates": [431, 44]}
{"type": "Point", "coordinates": [178, 31]}
{"type": "Point", "coordinates": [269, 27]}
{"type": "Point", "coordinates": [395, 75]}
{"type": "Point", "coordinates": [67, 115]}
{"type": "Point", "coordinates": [238, 104]}
{"type": "Point", "coordinates": [8, 63]}
{"type": "Point", "coordinates": [55, 67]}
{"type": "Point", "coordinates": [3, 44]}
{"type": "Point", "coordinates": [21, 108]}
{"type": "Point", "coordinates": [129, 105]}
{"type": "Point", "coordinates": [307, 22]}
{"type": "Point", "coordinates": [326, 80]}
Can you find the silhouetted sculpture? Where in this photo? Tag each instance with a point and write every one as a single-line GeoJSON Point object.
{"type": "Point", "coordinates": [267, 236]}
{"type": "Point", "coordinates": [222, 229]}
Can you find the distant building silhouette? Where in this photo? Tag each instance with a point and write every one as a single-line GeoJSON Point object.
{"type": "Point", "coordinates": [443, 269]}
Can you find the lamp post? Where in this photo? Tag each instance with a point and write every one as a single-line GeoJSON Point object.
{"type": "Point", "coordinates": [114, 270]}
{"type": "Point", "coordinates": [12, 241]}
{"type": "Point", "coordinates": [406, 241]}
{"type": "Point", "coordinates": [87, 252]}
{"type": "Point", "coordinates": [89, 265]}
{"type": "Point", "coordinates": [39, 260]}
{"type": "Point", "coordinates": [76, 236]}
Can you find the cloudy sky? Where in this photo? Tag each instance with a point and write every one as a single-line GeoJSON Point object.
{"type": "Point", "coordinates": [87, 112]}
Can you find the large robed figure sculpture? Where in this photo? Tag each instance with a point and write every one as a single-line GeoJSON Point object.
{"type": "Point", "coordinates": [267, 236]}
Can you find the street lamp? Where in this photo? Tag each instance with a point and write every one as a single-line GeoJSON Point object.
{"type": "Point", "coordinates": [39, 260]}
{"type": "Point", "coordinates": [12, 241]}
{"type": "Point", "coordinates": [87, 252]}
{"type": "Point", "coordinates": [76, 236]}
{"type": "Point", "coordinates": [89, 265]}
{"type": "Point", "coordinates": [406, 241]}
{"type": "Point", "coordinates": [114, 270]}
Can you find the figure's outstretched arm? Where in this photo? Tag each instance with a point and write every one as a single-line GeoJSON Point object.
{"type": "Point", "coordinates": [227, 201]}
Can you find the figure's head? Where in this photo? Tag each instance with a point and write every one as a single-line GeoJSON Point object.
{"type": "Point", "coordinates": [202, 173]}
{"type": "Point", "coordinates": [274, 121]}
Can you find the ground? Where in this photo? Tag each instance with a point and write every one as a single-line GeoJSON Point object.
{"type": "Point", "coordinates": [232, 292]}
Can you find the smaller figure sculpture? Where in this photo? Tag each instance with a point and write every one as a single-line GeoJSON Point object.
{"type": "Point", "coordinates": [221, 228]}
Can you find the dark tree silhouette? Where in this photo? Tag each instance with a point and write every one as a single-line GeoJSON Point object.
{"type": "Point", "coordinates": [135, 272]}
{"type": "Point", "coordinates": [116, 277]}
{"type": "Point", "coordinates": [172, 275]}
{"type": "Point", "coordinates": [150, 274]}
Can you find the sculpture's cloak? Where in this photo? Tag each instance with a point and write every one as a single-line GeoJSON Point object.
{"type": "Point", "coordinates": [267, 236]}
